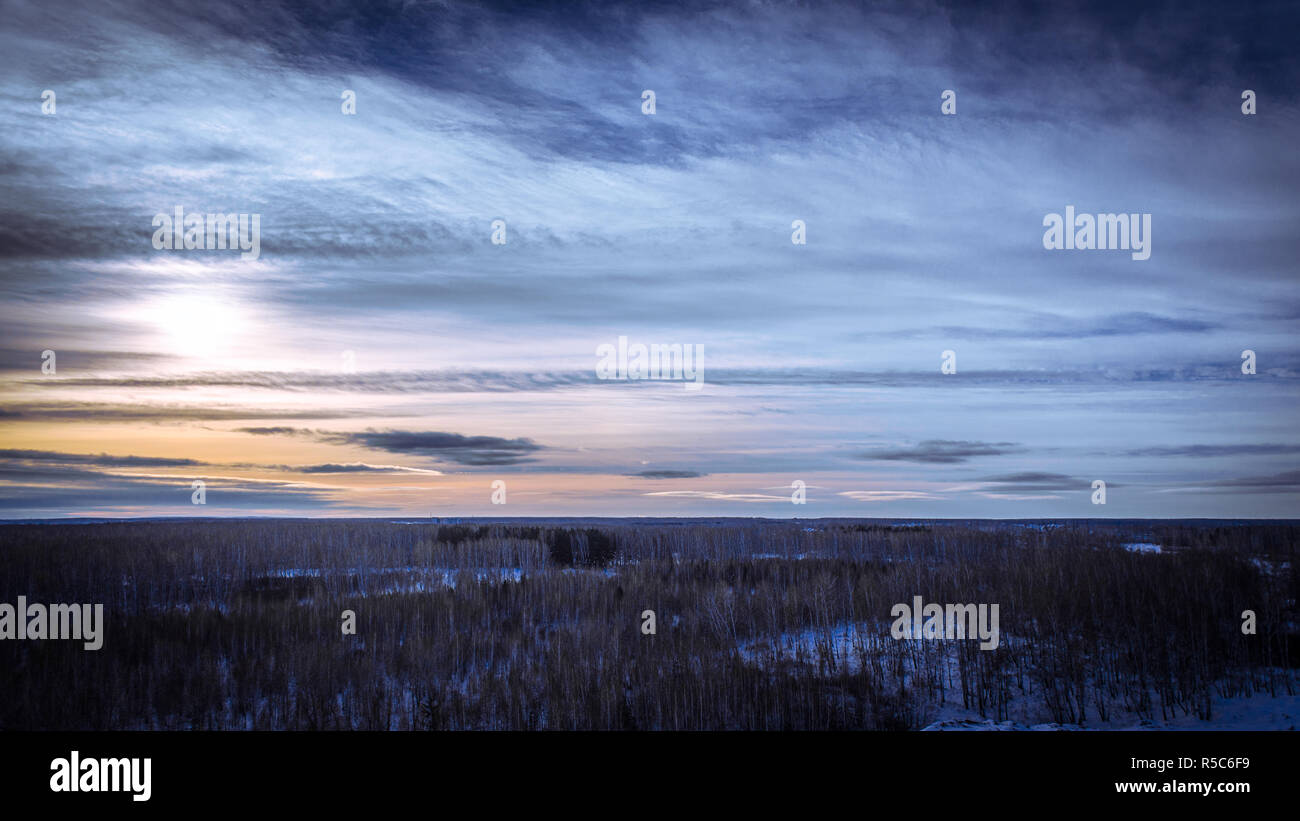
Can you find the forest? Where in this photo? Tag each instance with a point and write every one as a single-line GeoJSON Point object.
{"type": "Point", "coordinates": [757, 624]}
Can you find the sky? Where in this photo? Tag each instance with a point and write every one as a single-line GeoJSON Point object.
{"type": "Point", "coordinates": [418, 332]}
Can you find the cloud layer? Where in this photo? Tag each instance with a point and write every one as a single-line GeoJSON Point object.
{"type": "Point", "coordinates": [384, 344]}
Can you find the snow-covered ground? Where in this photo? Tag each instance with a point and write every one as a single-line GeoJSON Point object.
{"type": "Point", "coordinates": [840, 647]}
{"type": "Point", "coordinates": [844, 647]}
{"type": "Point", "coordinates": [1257, 712]}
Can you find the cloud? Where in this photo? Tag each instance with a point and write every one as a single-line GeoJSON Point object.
{"type": "Point", "coordinates": [439, 382]}
{"type": "Point", "coordinates": [1286, 482]}
{"type": "Point", "coordinates": [363, 382]}
{"type": "Point", "coordinates": [159, 412]}
{"type": "Point", "coordinates": [14, 359]}
{"type": "Point", "coordinates": [1211, 451]}
{"type": "Point", "coordinates": [889, 495]}
{"type": "Point", "coordinates": [353, 467]}
{"type": "Point", "coordinates": [56, 463]}
{"type": "Point", "coordinates": [1036, 482]}
{"type": "Point", "coordinates": [45, 487]}
{"type": "Point", "coordinates": [102, 459]}
{"type": "Point", "coordinates": [668, 474]}
{"type": "Point", "coordinates": [718, 495]}
{"type": "Point", "coordinates": [1060, 327]}
{"type": "Point", "coordinates": [473, 451]}
{"type": "Point", "coordinates": [941, 451]}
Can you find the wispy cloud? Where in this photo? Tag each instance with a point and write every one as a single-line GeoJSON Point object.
{"type": "Point", "coordinates": [719, 496]}
{"type": "Point", "coordinates": [890, 495]}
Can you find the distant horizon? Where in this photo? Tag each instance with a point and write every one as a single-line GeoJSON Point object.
{"type": "Point", "coordinates": [512, 519]}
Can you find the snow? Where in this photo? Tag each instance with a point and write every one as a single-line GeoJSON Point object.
{"type": "Point", "coordinates": [839, 647]}
{"type": "Point", "coordinates": [1142, 547]}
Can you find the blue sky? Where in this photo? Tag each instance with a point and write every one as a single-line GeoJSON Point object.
{"type": "Point", "coordinates": [475, 362]}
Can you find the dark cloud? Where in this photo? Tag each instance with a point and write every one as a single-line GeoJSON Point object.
{"type": "Point", "coordinates": [24, 236]}
{"type": "Point", "coordinates": [1210, 451]}
{"type": "Point", "coordinates": [1057, 327]}
{"type": "Point", "coordinates": [353, 467]}
{"type": "Point", "coordinates": [473, 451]}
{"type": "Point", "coordinates": [1037, 482]}
{"type": "Point", "coordinates": [37, 481]}
{"type": "Point", "coordinates": [14, 359]}
{"type": "Point", "coordinates": [668, 474]}
{"type": "Point", "coordinates": [276, 430]}
{"type": "Point", "coordinates": [150, 412]}
{"type": "Point", "coordinates": [116, 494]}
{"type": "Point", "coordinates": [101, 460]}
{"type": "Point", "coordinates": [941, 451]}
{"type": "Point", "coordinates": [1287, 482]}
{"type": "Point", "coordinates": [56, 464]}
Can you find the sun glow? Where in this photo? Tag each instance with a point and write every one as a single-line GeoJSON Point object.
{"type": "Point", "coordinates": [197, 325]}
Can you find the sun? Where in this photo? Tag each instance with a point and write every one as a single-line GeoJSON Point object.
{"type": "Point", "coordinates": [196, 326]}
